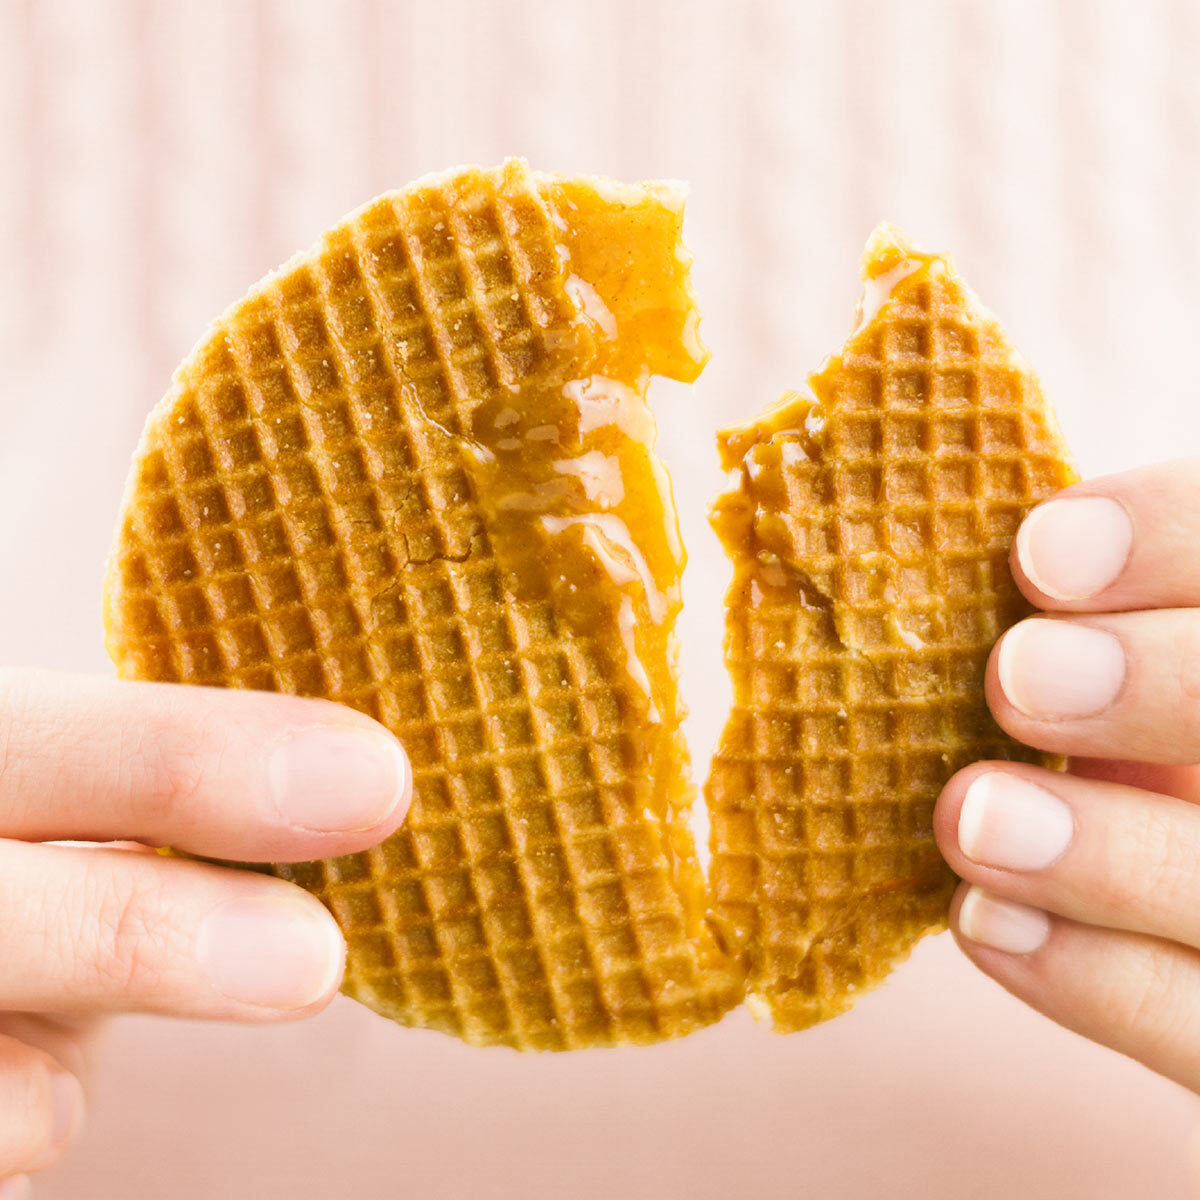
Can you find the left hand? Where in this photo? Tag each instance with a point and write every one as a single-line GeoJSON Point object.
{"type": "Point", "coordinates": [1082, 891]}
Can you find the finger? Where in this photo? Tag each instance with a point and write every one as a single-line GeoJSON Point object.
{"type": "Point", "coordinates": [234, 774]}
{"type": "Point", "coordinates": [1100, 853]}
{"type": "Point", "coordinates": [41, 1108]}
{"type": "Point", "coordinates": [1123, 542]}
{"type": "Point", "coordinates": [94, 930]}
{"type": "Point", "coordinates": [1182, 781]}
{"type": "Point", "coordinates": [1124, 990]}
{"type": "Point", "coordinates": [66, 1040]}
{"type": "Point", "coordinates": [1123, 685]}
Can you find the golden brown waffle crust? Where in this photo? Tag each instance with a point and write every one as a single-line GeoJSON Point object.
{"type": "Point", "coordinates": [869, 524]}
{"type": "Point", "coordinates": [313, 509]}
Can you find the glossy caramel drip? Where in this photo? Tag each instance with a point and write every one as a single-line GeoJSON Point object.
{"type": "Point", "coordinates": [578, 506]}
{"type": "Point", "coordinates": [563, 463]}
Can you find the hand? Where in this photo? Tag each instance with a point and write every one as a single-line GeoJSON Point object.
{"type": "Point", "coordinates": [86, 930]}
{"type": "Point", "coordinates": [1082, 892]}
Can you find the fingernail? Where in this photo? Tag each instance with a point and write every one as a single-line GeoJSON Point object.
{"type": "Point", "coordinates": [1055, 669]}
{"type": "Point", "coordinates": [1009, 823]}
{"type": "Point", "coordinates": [273, 952]}
{"type": "Point", "coordinates": [1002, 924]}
{"type": "Point", "coordinates": [16, 1187]}
{"type": "Point", "coordinates": [68, 1105]}
{"type": "Point", "coordinates": [1073, 549]}
{"type": "Point", "coordinates": [338, 780]}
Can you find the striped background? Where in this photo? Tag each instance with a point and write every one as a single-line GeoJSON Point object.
{"type": "Point", "coordinates": [158, 157]}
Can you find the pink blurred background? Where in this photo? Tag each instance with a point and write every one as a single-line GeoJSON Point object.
{"type": "Point", "coordinates": [158, 157]}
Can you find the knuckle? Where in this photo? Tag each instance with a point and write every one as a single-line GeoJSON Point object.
{"type": "Point", "coordinates": [129, 937]}
{"type": "Point", "coordinates": [1142, 1006]}
{"type": "Point", "coordinates": [171, 776]}
{"type": "Point", "coordinates": [1145, 865]}
{"type": "Point", "coordinates": [1146, 1000]}
{"type": "Point", "coordinates": [177, 762]}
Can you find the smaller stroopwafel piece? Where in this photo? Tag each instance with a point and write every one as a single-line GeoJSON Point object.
{"type": "Point", "coordinates": [413, 472]}
{"type": "Point", "coordinates": [869, 522]}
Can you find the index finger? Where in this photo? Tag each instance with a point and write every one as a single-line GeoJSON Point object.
{"type": "Point", "coordinates": [1115, 544]}
{"type": "Point", "coordinates": [229, 774]}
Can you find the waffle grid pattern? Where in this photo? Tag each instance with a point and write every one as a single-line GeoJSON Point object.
{"type": "Point", "coordinates": [886, 509]}
{"type": "Point", "coordinates": [301, 521]}
{"type": "Point", "coordinates": [937, 448]}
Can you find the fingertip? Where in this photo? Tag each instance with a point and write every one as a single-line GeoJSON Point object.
{"type": "Point", "coordinates": [972, 949]}
{"type": "Point", "coordinates": [1020, 561]}
{"type": "Point", "coordinates": [977, 954]}
{"type": "Point", "coordinates": [949, 806]}
{"type": "Point", "coordinates": [1070, 550]}
{"type": "Point", "coordinates": [997, 925]}
{"type": "Point", "coordinates": [395, 789]}
{"type": "Point", "coordinates": [337, 970]}
{"type": "Point", "coordinates": [993, 689]}
{"type": "Point", "coordinates": [1002, 659]}
{"type": "Point", "coordinates": [345, 779]}
{"type": "Point", "coordinates": [997, 680]}
{"type": "Point", "coordinates": [404, 789]}
{"type": "Point", "coordinates": [276, 954]}
{"type": "Point", "coordinates": [956, 901]}
{"type": "Point", "coordinates": [945, 821]}
{"type": "Point", "coordinates": [1018, 555]}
